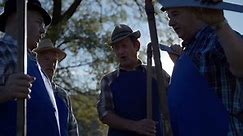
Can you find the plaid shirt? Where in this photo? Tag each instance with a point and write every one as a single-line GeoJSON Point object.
{"type": "Point", "coordinates": [8, 65]}
{"type": "Point", "coordinates": [8, 57]}
{"type": "Point", "coordinates": [72, 122]}
{"type": "Point", "coordinates": [105, 102]}
{"type": "Point", "coordinates": [209, 57]}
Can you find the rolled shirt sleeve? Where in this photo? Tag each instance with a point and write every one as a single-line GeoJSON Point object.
{"type": "Point", "coordinates": [105, 102]}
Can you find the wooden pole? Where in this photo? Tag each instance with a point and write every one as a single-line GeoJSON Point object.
{"type": "Point", "coordinates": [22, 64]}
{"type": "Point", "coordinates": [149, 82]}
{"type": "Point", "coordinates": [158, 67]}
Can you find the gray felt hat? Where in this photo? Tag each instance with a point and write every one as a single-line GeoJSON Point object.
{"type": "Point", "coordinates": [121, 32]}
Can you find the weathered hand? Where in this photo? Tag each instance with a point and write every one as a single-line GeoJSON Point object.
{"type": "Point", "coordinates": [212, 16]}
{"type": "Point", "coordinates": [18, 86]}
{"type": "Point", "coordinates": [145, 127]}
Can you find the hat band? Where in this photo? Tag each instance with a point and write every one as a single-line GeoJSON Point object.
{"type": "Point", "coordinates": [122, 34]}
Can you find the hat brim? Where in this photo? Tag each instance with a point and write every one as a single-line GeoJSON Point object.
{"type": "Point", "coordinates": [196, 3]}
{"type": "Point", "coordinates": [135, 34]}
{"type": "Point", "coordinates": [44, 14]}
{"type": "Point", "coordinates": [61, 54]}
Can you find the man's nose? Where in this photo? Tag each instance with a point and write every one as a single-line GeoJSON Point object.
{"type": "Point", "coordinates": [120, 51]}
{"type": "Point", "coordinates": [42, 31]}
{"type": "Point", "coordinates": [171, 22]}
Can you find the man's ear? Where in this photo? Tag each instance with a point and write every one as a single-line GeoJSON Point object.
{"type": "Point", "coordinates": [137, 45]}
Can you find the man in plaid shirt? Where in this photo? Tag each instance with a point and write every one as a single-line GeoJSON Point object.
{"type": "Point", "coordinates": [216, 50]}
{"type": "Point", "coordinates": [122, 101]}
{"type": "Point", "coordinates": [42, 113]}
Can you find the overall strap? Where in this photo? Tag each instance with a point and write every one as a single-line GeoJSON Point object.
{"type": "Point", "coordinates": [194, 107]}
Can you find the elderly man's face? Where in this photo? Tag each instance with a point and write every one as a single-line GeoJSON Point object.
{"type": "Point", "coordinates": [48, 61]}
{"type": "Point", "coordinates": [182, 20]}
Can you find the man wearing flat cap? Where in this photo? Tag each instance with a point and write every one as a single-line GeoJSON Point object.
{"type": "Point", "coordinates": [49, 56]}
{"type": "Point", "coordinates": [42, 113]}
{"type": "Point", "coordinates": [122, 101]}
{"type": "Point", "coordinates": [205, 94]}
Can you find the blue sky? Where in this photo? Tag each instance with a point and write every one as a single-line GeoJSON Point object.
{"type": "Point", "coordinates": [235, 19]}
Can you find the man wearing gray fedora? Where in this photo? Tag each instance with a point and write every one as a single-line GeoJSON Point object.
{"type": "Point", "coordinates": [42, 113]}
{"type": "Point", "coordinates": [205, 94]}
{"type": "Point", "coordinates": [122, 101]}
{"type": "Point", "coordinates": [49, 56]}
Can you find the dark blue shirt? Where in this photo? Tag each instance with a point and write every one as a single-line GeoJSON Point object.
{"type": "Point", "coordinates": [124, 93]}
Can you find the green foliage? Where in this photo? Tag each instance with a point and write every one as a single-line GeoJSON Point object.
{"type": "Point", "coordinates": [84, 37]}
{"type": "Point", "coordinates": [84, 106]}
{"type": "Point", "coordinates": [2, 3]}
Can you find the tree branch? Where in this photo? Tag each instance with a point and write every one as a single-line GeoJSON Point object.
{"type": "Point", "coordinates": [57, 10]}
{"type": "Point", "coordinates": [140, 7]}
{"type": "Point", "coordinates": [74, 66]}
{"type": "Point", "coordinates": [71, 10]}
{"type": "Point", "coordinates": [117, 3]}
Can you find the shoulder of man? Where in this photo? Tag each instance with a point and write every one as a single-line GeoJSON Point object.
{"type": "Point", "coordinates": [8, 57]}
{"type": "Point", "coordinates": [239, 34]}
{"type": "Point", "coordinates": [165, 74]}
{"type": "Point", "coordinates": [4, 44]}
{"type": "Point", "coordinates": [110, 76]}
{"type": "Point", "coordinates": [60, 92]}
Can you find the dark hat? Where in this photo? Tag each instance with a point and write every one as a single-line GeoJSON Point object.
{"type": "Point", "coordinates": [123, 31]}
{"type": "Point", "coordinates": [198, 4]}
{"type": "Point", "coordinates": [47, 45]}
{"type": "Point", "coordinates": [10, 7]}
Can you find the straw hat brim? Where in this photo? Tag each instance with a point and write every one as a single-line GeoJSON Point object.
{"type": "Point", "coordinates": [61, 54]}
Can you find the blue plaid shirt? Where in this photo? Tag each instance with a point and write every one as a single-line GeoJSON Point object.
{"type": "Point", "coordinates": [8, 61]}
{"type": "Point", "coordinates": [8, 57]}
{"type": "Point", "coordinates": [8, 65]}
{"type": "Point", "coordinates": [209, 57]}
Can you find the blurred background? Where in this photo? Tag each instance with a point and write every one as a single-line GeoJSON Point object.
{"type": "Point", "coordinates": [82, 28]}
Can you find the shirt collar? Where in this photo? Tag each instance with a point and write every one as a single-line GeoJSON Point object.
{"type": "Point", "coordinates": [139, 66]}
{"type": "Point", "coordinates": [197, 35]}
{"type": "Point", "coordinates": [32, 54]}
{"type": "Point", "coordinates": [139, 63]}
